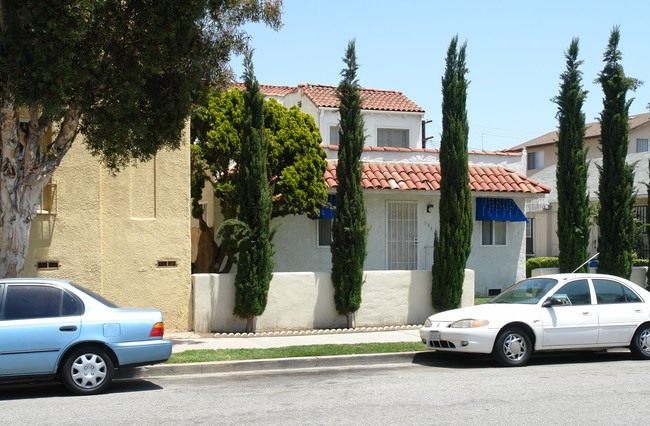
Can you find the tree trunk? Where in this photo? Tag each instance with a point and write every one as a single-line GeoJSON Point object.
{"type": "Point", "coordinates": [349, 316]}
{"type": "Point", "coordinates": [250, 325]}
{"type": "Point", "coordinates": [26, 166]}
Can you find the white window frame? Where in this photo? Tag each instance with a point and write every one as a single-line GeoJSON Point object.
{"type": "Point", "coordinates": [395, 129]}
{"type": "Point", "coordinates": [493, 231]}
{"type": "Point", "coordinates": [644, 144]}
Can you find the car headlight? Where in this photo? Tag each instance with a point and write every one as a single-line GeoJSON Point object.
{"type": "Point", "coordinates": [427, 323]}
{"type": "Point", "coordinates": [469, 323]}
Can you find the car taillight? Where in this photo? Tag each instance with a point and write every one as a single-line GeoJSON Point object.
{"type": "Point", "coordinates": [158, 330]}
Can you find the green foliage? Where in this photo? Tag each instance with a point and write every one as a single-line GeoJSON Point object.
{"type": "Point", "coordinates": [211, 355]}
{"type": "Point", "coordinates": [256, 259]}
{"type": "Point", "coordinates": [573, 199]}
{"type": "Point", "coordinates": [349, 229]}
{"type": "Point", "coordinates": [131, 68]}
{"type": "Point", "coordinates": [452, 245]}
{"type": "Point", "coordinates": [616, 186]}
{"type": "Point", "coordinates": [296, 162]}
{"type": "Point", "coordinates": [541, 262]}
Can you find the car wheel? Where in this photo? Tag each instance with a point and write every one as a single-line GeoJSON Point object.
{"type": "Point", "coordinates": [87, 371]}
{"type": "Point", "coordinates": [512, 347]}
{"type": "Point", "coordinates": [641, 342]}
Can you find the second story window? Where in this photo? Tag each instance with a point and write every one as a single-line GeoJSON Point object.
{"type": "Point", "coordinates": [395, 138]}
{"type": "Point", "coordinates": [641, 145]}
{"type": "Point", "coordinates": [334, 135]}
{"type": "Point", "coordinates": [535, 160]}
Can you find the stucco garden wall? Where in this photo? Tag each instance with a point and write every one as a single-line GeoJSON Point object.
{"type": "Point", "coordinates": [305, 300]}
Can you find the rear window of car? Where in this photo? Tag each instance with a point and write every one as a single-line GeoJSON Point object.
{"type": "Point", "coordinates": [95, 296]}
{"type": "Point", "coordinates": [608, 292]}
{"type": "Point", "coordinates": [39, 301]}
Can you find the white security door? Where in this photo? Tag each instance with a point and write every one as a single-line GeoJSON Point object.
{"type": "Point", "coordinates": [401, 235]}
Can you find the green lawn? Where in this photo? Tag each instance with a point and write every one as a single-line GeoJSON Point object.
{"type": "Point", "coordinates": [206, 355]}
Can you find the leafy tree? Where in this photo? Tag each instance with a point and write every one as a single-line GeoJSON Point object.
{"type": "Point", "coordinates": [452, 245]}
{"type": "Point", "coordinates": [573, 211]}
{"type": "Point", "coordinates": [256, 259]}
{"type": "Point", "coordinates": [349, 229]}
{"type": "Point", "coordinates": [295, 162]}
{"type": "Point", "coordinates": [123, 73]}
{"type": "Point", "coordinates": [616, 184]}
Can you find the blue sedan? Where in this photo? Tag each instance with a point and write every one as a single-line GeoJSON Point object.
{"type": "Point", "coordinates": [56, 328]}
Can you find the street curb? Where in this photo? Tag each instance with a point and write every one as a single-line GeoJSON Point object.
{"type": "Point", "coordinates": [270, 364]}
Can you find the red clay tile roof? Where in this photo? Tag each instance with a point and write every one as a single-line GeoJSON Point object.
{"type": "Point", "coordinates": [271, 90]}
{"type": "Point", "coordinates": [592, 131]}
{"type": "Point", "coordinates": [391, 149]}
{"type": "Point", "coordinates": [404, 177]}
{"type": "Point", "coordinates": [373, 99]}
{"type": "Point", "coordinates": [325, 96]}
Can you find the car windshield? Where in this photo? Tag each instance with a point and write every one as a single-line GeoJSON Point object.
{"type": "Point", "coordinates": [529, 291]}
{"type": "Point", "coordinates": [95, 296]}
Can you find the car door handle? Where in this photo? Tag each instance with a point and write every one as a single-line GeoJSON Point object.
{"type": "Point", "coordinates": [68, 328]}
{"type": "Point", "coordinates": [586, 313]}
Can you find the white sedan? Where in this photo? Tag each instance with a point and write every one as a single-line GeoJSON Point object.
{"type": "Point", "coordinates": [545, 313]}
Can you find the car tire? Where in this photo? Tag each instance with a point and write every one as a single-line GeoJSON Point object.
{"type": "Point", "coordinates": [512, 347]}
{"type": "Point", "coordinates": [640, 345]}
{"type": "Point", "coordinates": [87, 371]}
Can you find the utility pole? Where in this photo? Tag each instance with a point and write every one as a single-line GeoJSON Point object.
{"type": "Point", "coordinates": [424, 133]}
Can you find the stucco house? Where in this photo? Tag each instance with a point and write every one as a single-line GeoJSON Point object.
{"type": "Point", "coordinates": [402, 182]}
{"type": "Point", "coordinates": [541, 156]}
{"type": "Point", "coordinates": [124, 236]}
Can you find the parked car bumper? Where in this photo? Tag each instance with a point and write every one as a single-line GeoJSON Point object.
{"type": "Point", "coordinates": [469, 340]}
{"type": "Point", "coordinates": [142, 353]}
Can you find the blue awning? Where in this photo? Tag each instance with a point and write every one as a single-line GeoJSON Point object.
{"type": "Point", "coordinates": [499, 209]}
{"type": "Point", "coordinates": [328, 212]}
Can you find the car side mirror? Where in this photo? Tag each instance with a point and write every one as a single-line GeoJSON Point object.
{"type": "Point", "coordinates": [552, 301]}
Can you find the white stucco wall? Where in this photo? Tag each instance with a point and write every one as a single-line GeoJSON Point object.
{"type": "Point", "coordinates": [495, 267]}
{"type": "Point", "coordinates": [305, 300]}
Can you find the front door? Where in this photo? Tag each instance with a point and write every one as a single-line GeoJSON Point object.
{"type": "Point", "coordinates": [401, 235]}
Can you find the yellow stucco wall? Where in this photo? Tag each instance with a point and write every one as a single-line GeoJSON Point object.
{"type": "Point", "coordinates": [109, 232]}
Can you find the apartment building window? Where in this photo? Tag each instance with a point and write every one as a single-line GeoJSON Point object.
{"type": "Point", "coordinates": [530, 242]}
{"type": "Point", "coordinates": [395, 138]}
{"type": "Point", "coordinates": [46, 203]}
{"type": "Point", "coordinates": [642, 145]}
{"type": "Point", "coordinates": [535, 160]}
{"type": "Point", "coordinates": [494, 233]}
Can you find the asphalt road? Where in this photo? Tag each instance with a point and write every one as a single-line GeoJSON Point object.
{"type": "Point", "coordinates": [604, 388]}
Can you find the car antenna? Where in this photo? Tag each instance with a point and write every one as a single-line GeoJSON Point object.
{"type": "Point", "coordinates": [588, 260]}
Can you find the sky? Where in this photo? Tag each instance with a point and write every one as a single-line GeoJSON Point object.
{"type": "Point", "coordinates": [515, 55]}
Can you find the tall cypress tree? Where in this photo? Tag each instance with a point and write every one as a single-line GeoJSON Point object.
{"type": "Point", "coordinates": [349, 229]}
{"type": "Point", "coordinates": [453, 244]}
{"type": "Point", "coordinates": [255, 264]}
{"type": "Point", "coordinates": [573, 212]}
{"type": "Point", "coordinates": [616, 184]}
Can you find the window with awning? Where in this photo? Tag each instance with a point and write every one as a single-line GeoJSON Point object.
{"type": "Point", "coordinates": [499, 210]}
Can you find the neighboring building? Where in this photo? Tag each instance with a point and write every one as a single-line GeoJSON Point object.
{"type": "Point", "coordinates": [541, 152]}
{"type": "Point", "coordinates": [401, 182]}
{"type": "Point", "coordinates": [541, 233]}
{"type": "Point", "coordinates": [126, 237]}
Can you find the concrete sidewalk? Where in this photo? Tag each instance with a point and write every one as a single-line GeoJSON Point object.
{"type": "Point", "coordinates": [188, 340]}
